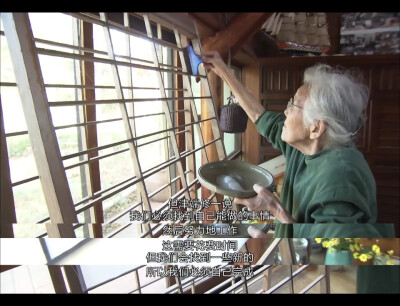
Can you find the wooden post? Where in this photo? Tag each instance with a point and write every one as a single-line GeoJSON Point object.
{"type": "Point", "coordinates": [240, 28]}
{"type": "Point", "coordinates": [180, 116]}
{"type": "Point", "coordinates": [7, 209]}
{"type": "Point", "coordinates": [212, 153]}
{"type": "Point", "coordinates": [334, 21]}
{"type": "Point", "coordinates": [251, 138]}
{"type": "Point", "coordinates": [95, 217]}
{"type": "Point", "coordinates": [132, 122]}
{"type": "Point", "coordinates": [287, 252]}
{"type": "Point", "coordinates": [325, 283]}
{"type": "Point", "coordinates": [38, 118]}
{"type": "Point", "coordinates": [127, 126]}
{"type": "Point", "coordinates": [236, 32]}
{"type": "Point", "coordinates": [71, 272]}
{"type": "Point", "coordinates": [167, 110]}
{"type": "Point", "coordinates": [57, 278]}
{"type": "Point", "coordinates": [190, 112]}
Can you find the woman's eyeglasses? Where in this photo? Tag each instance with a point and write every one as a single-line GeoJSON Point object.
{"type": "Point", "coordinates": [290, 104]}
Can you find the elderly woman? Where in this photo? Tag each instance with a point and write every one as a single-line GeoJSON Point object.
{"type": "Point", "coordinates": [327, 180]}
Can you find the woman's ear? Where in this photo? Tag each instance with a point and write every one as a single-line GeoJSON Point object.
{"type": "Point", "coordinates": [317, 129]}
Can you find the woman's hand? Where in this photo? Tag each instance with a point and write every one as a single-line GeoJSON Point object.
{"type": "Point", "coordinates": [266, 200]}
{"type": "Point", "coordinates": [212, 61]}
{"type": "Point", "coordinates": [256, 233]}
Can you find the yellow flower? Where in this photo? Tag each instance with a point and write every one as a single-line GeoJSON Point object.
{"type": "Point", "coordinates": [252, 222]}
{"type": "Point", "coordinates": [329, 244]}
{"type": "Point", "coordinates": [390, 252]}
{"type": "Point", "coordinates": [355, 255]}
{"type": "Point", "coordinates": [331, 250]}
{"type": "Point", "coordinates": [363, 257]}
{"type": "Point", "coordinates": [376, 249]}
{"type": "Point", "coordinates": [351, 247]}
{"type": "Point", "coordinates": [335, 241]}
{"type": "Point", "coordinates": [325, 244]}
{"type": "Point", "coordinates": [390, 262]}
{"type": "Point", "coordinates": [318, 240]}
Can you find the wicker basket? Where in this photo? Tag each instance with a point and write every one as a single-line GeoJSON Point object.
{"type": "Point", "coordinates": [232, 118]}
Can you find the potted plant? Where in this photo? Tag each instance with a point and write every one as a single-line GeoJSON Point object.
{"type": "Point", "coordinates": [343, 251]}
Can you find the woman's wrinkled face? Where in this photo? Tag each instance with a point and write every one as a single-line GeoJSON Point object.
{"type": "Point", "coordinates": [294, 132]}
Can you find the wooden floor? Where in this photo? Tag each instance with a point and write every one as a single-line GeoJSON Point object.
{"type": "Point", "coordinates": [37, 280]}
{"type": "Point", "coordinates": [343, 280]}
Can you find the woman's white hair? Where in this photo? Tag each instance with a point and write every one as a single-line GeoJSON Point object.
{"type": "Point", "coordinates": [337, 97]}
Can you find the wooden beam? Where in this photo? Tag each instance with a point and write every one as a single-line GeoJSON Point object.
{"type": "Point", "coordinates": [191, 115]}
{"type": "Point", "coordinates": [186, 117]}
{"type": "Point", "coordinates": [334, 21]}
{"type": "Point", "coordinates": [180, 21]}
{"type": "Point", "coordinates": [74, 282]}
{"type": "Point", "coordinates": [4, 268]}
{"type": "Point", "coordinates": [57, 279]}
{"type": "Point", "coordinates": [167, 111]}
{"type": "Point", "coordinates": [191, 161]}
{"type": "Point", "coordinates": [210, 22]}
{"type": "Point", "coordinates": [129, 129]}
{"type": "Point", "coordinates": [207, 24]}
{"type": "Point", "coordinates": [239, 29]}
{"type": "Point", "coordinates": [286, 249]}
{"type": "Point", "coordinates": [185, 140]}
{"type": "Point", "coordinates": [325, 283]}
{"type": "Point", "coordinates": [216, 87]}
{"type": "Point", "coordinates": [60, 230]}
{"type": "Point", "coordinates": [127, 24]}
{"type": "Point", "coordinates": [96, 212]}
{"type": "Point", "coordinates": [212, 108]}
{"type": "Point", "coordinates": [7, 209]}
{"type": "Point", "coordinates": [38, 118]}
{"type": "Point", "coordinates": [251, 138]}
{"type": "Point", "coordinates": [180, 116]}
{"type": "Point", "coordinates": [215, 83]}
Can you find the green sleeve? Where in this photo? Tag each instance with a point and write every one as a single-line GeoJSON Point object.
{"type": "Point", "coordinates": [378, 279]}
{"type": "Point", "coordinates": [336, 212]}
{"type": "Point", "coordinates": [270, 125]}
{"type": "Point", "coordinates": [337, 230]}
{"type": "Point", "coordinates": [339, 205]}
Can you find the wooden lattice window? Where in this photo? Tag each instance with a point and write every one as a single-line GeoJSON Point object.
{"type": "Point", "coordinates": [102, 108]}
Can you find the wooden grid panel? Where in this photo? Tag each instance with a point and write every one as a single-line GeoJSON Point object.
{"type": "Point", "coordinates": [42, 135]}
{"type": "Point", "coordinates": [89, 157]}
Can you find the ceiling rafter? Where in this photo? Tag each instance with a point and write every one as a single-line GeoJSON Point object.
{"type": "Point", "coordinates": [239, 29]}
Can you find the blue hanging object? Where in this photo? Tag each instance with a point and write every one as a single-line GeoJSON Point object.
{"type": "Point", "coordinates": [194, 60]}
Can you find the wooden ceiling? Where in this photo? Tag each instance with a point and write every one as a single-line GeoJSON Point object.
{"type": "Point", "coordinates": [238, 32]}
{"type": "Point", "coordinates": [220, 31]}
{"type": "Point", "coordinates": [229, 34]}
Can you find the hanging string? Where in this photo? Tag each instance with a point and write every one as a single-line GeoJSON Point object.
{"type": "Point", "coordinates": [232, 97]}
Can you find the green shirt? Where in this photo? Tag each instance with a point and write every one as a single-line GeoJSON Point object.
{"type": "Point", "coordinates": [331, 194]}
{"type": "Point", "coordinates": [331, 186]}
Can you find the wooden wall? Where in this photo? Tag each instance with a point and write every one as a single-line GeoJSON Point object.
{"type": "Point", "coordinates": [378, 140]}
